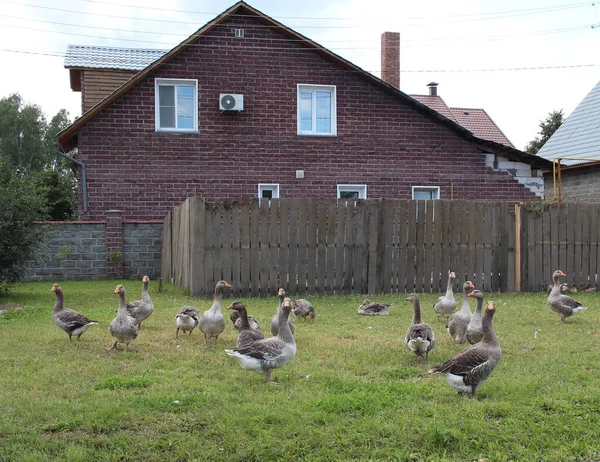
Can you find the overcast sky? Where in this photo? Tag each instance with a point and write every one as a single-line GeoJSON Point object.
{"type": "Point", "coordinates": [518, 60]}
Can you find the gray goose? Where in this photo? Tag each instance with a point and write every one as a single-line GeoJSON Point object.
{"type": "Point", "coordinates": [235, 319]}
{"type": "Point", "coordinates": [475, 329]}
{"type": "Point", "coordinates": [457, 324]}
{"type": "Point", "coordinates": [564, 305]}
{"type": "Point", "coordinates": [275, 320]}
{"type": "Point", "coordinates": [420, 338]}
{"type": "Point", "coordinates": [247, 334]}
{"type": "Point", "coordinates": [186, 319]}
{"type": "Point", "coordinates": [369, 308]}
{"type": "Point", "coordinates": [212, 322]}
{"type": "Point", "coordinates": [141, 309]}
{"type": "Point", "coordinates": [303, 309]}
{"type": "Point", "coordinates": [123, 327]}
{"type": "Point", "coordinates": [445, 305]}
{"type": "Point", "coordinates": [72, 322]}
{"type": "Point", "coordinates": [262, 356]}
{"type": "Point", "coordinates": [467, 371]}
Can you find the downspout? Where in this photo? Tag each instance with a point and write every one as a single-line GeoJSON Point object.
{"type": "Point", "coordinates": [83, 177]}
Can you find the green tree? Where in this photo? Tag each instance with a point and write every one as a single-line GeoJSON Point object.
{"type": "Point", "coordinates": [22, 203]}
{"type": "Point", "coordinates": [547, 128]}
{"type": "Point", "coordinates": [28, 145]}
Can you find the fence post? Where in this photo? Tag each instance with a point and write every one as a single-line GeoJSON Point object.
{"type": "Point", "coordinates": [517, 248]}
{"type": "Point", "coordinates": [197, 246]}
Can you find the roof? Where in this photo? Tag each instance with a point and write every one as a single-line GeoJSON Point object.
{"type": "Point", "coordinates": [94, 57]}
{"type": "Point", "coordinates": [578, 138]}
{"type": "Point", "coordinates": [68, 137]}
{"type": "Point", "coordinates": [475, 120]}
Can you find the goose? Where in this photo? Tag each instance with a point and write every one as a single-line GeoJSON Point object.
{"type": "Point", "coordinates": [212, 322]}
{"type": "Point", "coordinates": [420, 338]}
{"type": "Point", "coordinates": [123, 327]}
{"type": "Point", "coordinates": [456, 325]}
{"type": "Point", "coordinates": [445, 305]}
{"type": "Point", "coordinates": [262, 356]}
{"type": "Point", "coordinates": [275, 320]}
{"type": "Point", "coordinates": [467, 371]}
{"type": "Point", "coordinates": [369, 308]}
{"type": "Point", "coordinates": [247, 334]}
{"type": "Point", "coordinates": [475, 329]}
{"type": "Point", "coordinates": [141, 309]}
{"type": "Point", "coordinates": [72, 322]}
{"type": "Point", "coordinates": [564, 305]}
{"type": "Point", "coordinates": [186, 319]}
{"type": "Point", "coordinates": [235, 319]}
{"type": "Point", "coordinates": [303, 309]}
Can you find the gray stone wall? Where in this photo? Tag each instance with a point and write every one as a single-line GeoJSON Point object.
{"type": "Point", "coordinates": [77, 251]}
{"type": "Point", "coordinates": [142, 245]}
{"type": "Point", "coordinates": [578, 184]}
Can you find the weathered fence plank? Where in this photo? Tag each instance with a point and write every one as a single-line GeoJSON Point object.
{"type": "Point", "coordinates": [375, 246]}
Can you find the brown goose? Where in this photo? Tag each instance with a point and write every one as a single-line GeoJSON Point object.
{"type": "Point", "coordinates": [420, 338]}
{"type": "Point", "coordinates": [564, 305]}
{"type": "Point", "coordinates": [123, 327]}
{"type": "Point", "coordinates": [141, 309]}
{"type": "Point", "coordinates": [275, 320]}
{"type": "Point", "coordinates": [72, 322]}
{"type": "Point", "coordinates": [262, 356]}
{"type": "Point", "coordinates": [456, 325]}
{"type": "Point", "coordinates": [475, 329]}
{"type": "Point", "coordinates": [247, 334]}
{"type": "Point", "coordinates": [369, 308]}
{"type": "Point", "coordinates": [303, 309]}
{"type": "Point", "coordinates": [187, 319]}
{"type": "Point", "coordinates": [235, 319]}
{"type": "Point", "coordinates": [212, 322]}
{"type": "Point", "coordinates": [467, 371]}
{"type": "Point", "coordinates": [446, 304]}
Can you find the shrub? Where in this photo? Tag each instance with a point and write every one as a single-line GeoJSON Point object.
{"type": "Point", "coordinates": [21, 238]}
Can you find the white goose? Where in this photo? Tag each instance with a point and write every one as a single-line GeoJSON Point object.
{"type": "Point", "coordinates": [445, 305]}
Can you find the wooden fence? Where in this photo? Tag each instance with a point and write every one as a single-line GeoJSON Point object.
{"type": "Point", "coordinates": [310, 246]}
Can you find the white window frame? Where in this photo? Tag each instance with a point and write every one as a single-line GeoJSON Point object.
{"type": "Point", "coordinates": [273, 187]}
{"type": "Point", "coordinates": [435, 189]}
{"type": "Point", "coordinates": [360, 188]}
{"type": "Point", "coordinates": [302, 87]}
{"type": "Point", "coordinates": [175, 82]}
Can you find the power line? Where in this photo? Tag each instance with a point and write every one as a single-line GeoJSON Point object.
{"type": "Point", "coordinates": [498, 69]}
{"type": "Point", "coordinates": [507, 14]}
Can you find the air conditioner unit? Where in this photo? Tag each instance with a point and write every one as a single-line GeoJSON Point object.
{"type": "Point", "coordinates": [230, 102]}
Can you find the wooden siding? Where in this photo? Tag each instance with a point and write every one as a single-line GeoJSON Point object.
{"type": "Point", "coordinates": [99, 83]}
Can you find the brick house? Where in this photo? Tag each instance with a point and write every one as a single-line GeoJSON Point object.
{"type": "Point", "coordinates": [156, 131]}
{"type": "Point", "coordinates": [575, 149]}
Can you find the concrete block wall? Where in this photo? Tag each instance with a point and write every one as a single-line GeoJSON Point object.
{"type": "Point", "coordinates": [142, 247]}
{"type": "Point", "coordinates": [77, 251]}
{"type": "Point", "coordinates": [580, 184]}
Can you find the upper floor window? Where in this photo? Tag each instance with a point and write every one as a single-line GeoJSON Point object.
{"type": "Point", "coordinates": [268, 191]}
{"type": "Point", "coordinates": [351, 191]}
{"type": "Point", "coordinates": [317, 110]}
{"type": "Point", "coordinates": [176, 105]}
{"type": "Point", "coordinates": [425, 193]}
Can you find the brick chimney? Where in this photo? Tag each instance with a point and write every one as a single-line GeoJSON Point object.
{"type": "Point", "coordinates": [432, 88]}
{"type": "Point", "coordinates": [390, 58]}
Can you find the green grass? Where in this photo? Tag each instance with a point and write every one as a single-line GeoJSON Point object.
{"type": "Point", "coordinates": [353, 391]}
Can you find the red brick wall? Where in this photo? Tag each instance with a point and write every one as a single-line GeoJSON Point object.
{"type": "Point", "coordinates": [381, 141]}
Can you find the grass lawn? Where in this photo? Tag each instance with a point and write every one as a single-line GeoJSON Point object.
{"type": "Point", "coordinates": [353, 391]}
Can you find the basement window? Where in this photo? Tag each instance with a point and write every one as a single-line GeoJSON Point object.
{"type": "Point", "coordinates": [351, 191]}
{"type": "Point", "coordinates": [425, 193]}
{"type": "Point", "coordinates": [268, 191]}
{"type": "Point", "coordinates": [176, 105]}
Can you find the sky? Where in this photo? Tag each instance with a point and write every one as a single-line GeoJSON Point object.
{"type": "Point", "coordinates": [518, 60]}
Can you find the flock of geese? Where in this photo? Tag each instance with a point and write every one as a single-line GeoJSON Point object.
{"type": "Point", "coordinates": [465, 372]}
